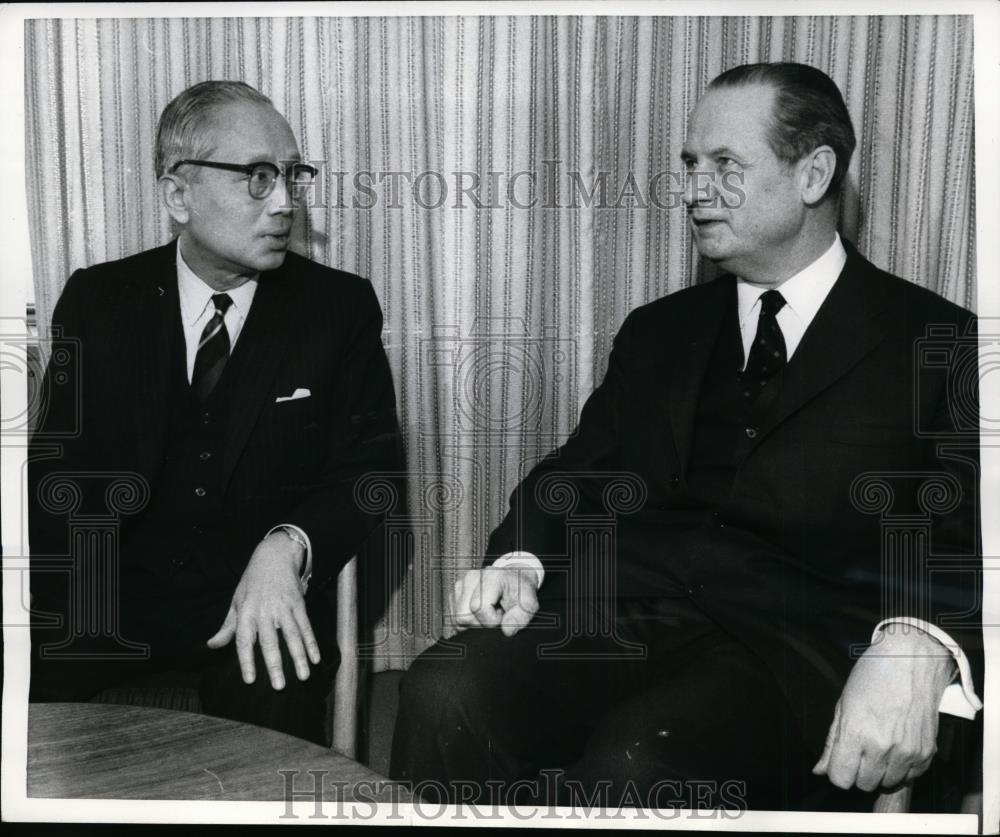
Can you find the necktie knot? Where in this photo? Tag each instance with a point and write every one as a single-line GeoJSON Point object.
{"type": "Point", "coordinates": [771, 302]}
{"type": "Point", "coordinates": [213, 349]}
{"type": "Point", "coordinates": [223, 301]}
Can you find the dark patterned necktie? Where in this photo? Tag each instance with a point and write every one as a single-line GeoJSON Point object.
{"type": "Point", "coordinates": [213, 350]}
{"type": "Point", "coordinates": [767, 354]}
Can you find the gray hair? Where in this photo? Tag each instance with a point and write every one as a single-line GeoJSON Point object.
{"type": "Point", "coordinates": [181, 132]}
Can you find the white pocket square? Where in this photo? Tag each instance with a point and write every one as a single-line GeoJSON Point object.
{"type": "Point", "coordinates": [301, 392]}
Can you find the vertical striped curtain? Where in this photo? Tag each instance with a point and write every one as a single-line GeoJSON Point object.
{"type": "Point", "coordinates": [493, 177]}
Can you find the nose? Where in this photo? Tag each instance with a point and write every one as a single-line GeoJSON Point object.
{"type": "Point", "coordinates": [279, 202]}
{"type": "Point", "coordinates": [699, 187]}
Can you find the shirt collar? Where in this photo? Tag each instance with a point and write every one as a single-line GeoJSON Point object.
{"type": "Point", "coordinates": [805, 291]}
{"type": "Point", "coordinates": [195, 295]}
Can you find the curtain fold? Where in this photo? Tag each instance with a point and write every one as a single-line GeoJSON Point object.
{"type": "Point", "coordinates": [494, 178]}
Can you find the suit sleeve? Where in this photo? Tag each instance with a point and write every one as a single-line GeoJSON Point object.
{"type": "Point", "coordinates": [536, 521]}
{"type": "Point", "coordinates": [55, 441]}
{"type": "Point", "coordinates": [364, 441]}
{"type": "Point", "coordinates": [956, 576]}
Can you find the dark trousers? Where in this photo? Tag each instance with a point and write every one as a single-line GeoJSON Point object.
{"type": "Point", "coordinates": [565, 715]}
{"type": "Point", "coordinates": [172, 624]}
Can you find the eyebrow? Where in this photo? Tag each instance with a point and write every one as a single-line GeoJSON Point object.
{"type": "Point", "coordinates": [721, 151]}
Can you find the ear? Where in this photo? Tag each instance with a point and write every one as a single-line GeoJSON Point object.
{"type": "Point", "coordinates": [817, 170]}
{"type": "Point", "coordinates": [174, 194]}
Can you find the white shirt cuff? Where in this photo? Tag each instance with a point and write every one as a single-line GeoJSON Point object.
{"type": "Point", "coordinates": [522, 559]}
{"type": "Point", "coordinates": [302, 538]}
{"type": "Point", "coordinates": [959, 698]}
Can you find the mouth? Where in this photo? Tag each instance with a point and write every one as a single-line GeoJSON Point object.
{"type": "Point", "coordinates": [280, 239]}
{"type": "Point", "coordinates": [704, 223]}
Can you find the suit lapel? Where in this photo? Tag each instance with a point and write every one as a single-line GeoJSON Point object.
{"type": "Point", "coordinates": [151, 329]}
{"type": "Point", "coordinates": [847, 327]}
{"type": "Point", "coordinates": [692, 355]}
{"type": "Point", "coordinates": [255, 362]}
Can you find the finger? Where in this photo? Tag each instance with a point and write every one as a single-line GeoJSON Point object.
{"type": "Point", "coordinates": [462, 611]}
{"type": "Point", "coordinates": [269, 649]}
{"type": "Point", "coordinates": [871, 771]}
{"type": "Point", "coordinates": [226, 632]}
{"type": "Point", "coordinates": [845, 760]}
{"type": "Point", "coordinates": [474, 593]}
{"type": "Point", "coordinates": [515, 588]}
{"type": "Point", "coordinates": [293, 642]}
{"type": "Point", "coordinates": [514, 620]}
{"type": "Point", "coordinates": [918, 769]}
{"type": "Point", "coordinates": [245, 635]}
{"type": "Point", "coordinates": [483, 603]}
{"type": "Point", "coordinates": [488, 615]}
{"type": "Point", "coordinates": [899, 765]}
{"type": "Point", "coordinates": [305, 629]}
{"type": "Point", "coordinates": [821, 767]}
{"type": "Point", "coordinates": [842, 755]}
{"type": "Point", "coordinates": [481, 610]}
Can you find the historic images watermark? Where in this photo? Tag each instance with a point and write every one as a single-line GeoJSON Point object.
{"type": "Point", "coordinates": [90, 504]}
{"type": "Point", "coordinates": [570, 799]}
{"type": "Point", "coordinates": [912, 505]}
{"type": "Point", "coordinates": [478, 369]}
{"type": "Point", "coordinates": [548, 187]}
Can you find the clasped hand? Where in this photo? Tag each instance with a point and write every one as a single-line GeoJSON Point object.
{"type": "Point", "coordinates": [490, 597]}
{"type": "Point", "coordinates": [268, 599]}
{"type": "Point", "coordinates": [884, 729]}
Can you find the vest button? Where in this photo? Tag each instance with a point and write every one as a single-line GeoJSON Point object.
{"type": "Point", "coordinates": [206, 418]}
{"type": "Point", "coordinates": [751, 432]}
{"type": "Point", "coordinates": [205, 454]}
{"type": "Point", "coordinates": [177, 562]}
{"type": "Point", "coordinates": [674, 480]}
{"type": "Point", "coordinates": [199, 491]}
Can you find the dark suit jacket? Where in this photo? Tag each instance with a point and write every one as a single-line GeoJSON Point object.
{"type": "Point", "coordinates": [294, 462]}
{"type": "Point", "coordinates": [793, 561]}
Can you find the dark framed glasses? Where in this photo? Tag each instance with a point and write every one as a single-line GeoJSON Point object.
{"type": "Point", "coordinates": [261, 177]}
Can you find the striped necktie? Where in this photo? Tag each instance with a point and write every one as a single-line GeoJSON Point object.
{"type": "Point", "coordinates": [213, 350]}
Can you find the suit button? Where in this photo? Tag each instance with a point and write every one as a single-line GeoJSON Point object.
{"type": "Point", "coordinates": [198, 530]}
{"type": "Point", "coordinates": [199, 491]}
{"type": "Point", "coordinates": [674, 480]}
{"type": "Point", "coordinates": [177, 562]}
{"type": "Point", "coordinates": [206, 418]}
{"type": "Point", "coordinates": [205, 454]}
{"type": "Point", "coordinates": [751, 432]}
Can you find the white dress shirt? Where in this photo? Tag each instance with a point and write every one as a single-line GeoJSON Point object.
{"type": "Point", "coordinates": [196, 311]}
{"type": "Point", "coordinates": [804, 293]}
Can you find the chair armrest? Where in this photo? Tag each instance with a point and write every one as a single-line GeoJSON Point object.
{"type": "Point", "coordinates": [346, 688]}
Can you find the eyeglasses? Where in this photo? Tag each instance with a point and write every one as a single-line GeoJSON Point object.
{"type": "Point", "coordinates": [261, 177]}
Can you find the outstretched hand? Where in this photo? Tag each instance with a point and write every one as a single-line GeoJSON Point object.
{"type": "Point", "coordinates": [269, 599]}
{"type": "Point", "coordinates": [884, 729]}
{"type": "Point", "coordinates": [491, 597]}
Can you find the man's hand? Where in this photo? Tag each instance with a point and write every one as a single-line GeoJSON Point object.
{"type": "Point", "coordinates": [884, 729]}
{"type": "Point", "coordinates": [269, 598]}
{"type": "Point", "coordinates": [490, 597]}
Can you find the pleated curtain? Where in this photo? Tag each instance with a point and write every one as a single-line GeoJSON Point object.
{"type": "Point", "coordinates": [492, 177]}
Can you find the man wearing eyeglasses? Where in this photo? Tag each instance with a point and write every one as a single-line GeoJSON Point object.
{"type": "Point", "coordinates": [243, 390]}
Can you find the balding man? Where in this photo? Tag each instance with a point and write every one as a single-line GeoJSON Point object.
{"type": "Point", "coordinates": [246, 388]}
